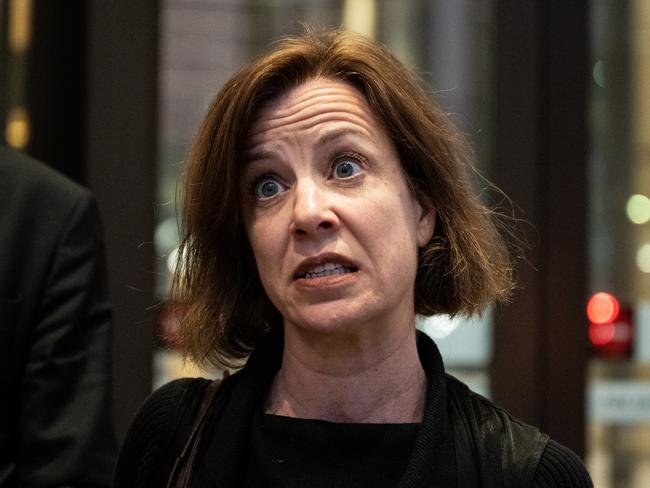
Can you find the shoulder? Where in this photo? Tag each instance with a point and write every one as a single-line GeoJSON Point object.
{"type": "Point", "coordinates": [24, 176]}
{"type": "Point", "coordinates": [491, 418]}
{"type": "Point", "coordinates": [504, 447]}
{"type": "Point", "coordinates": [526, 456]}
{"type": "Point", "coordinates": [170, 399]}
{"type": "Point", "coordinates": [560, 466]}
{"type": "Point", "coordinates": [157, 433]}
{"type": "Point", "coordinates": [40, 203]}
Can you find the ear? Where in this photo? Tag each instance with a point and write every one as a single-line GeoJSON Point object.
{"type": "Point", "coordinates": [426, 226]}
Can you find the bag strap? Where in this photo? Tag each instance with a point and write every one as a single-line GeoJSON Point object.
{"type": "Point", "coordinates": [181, 473]}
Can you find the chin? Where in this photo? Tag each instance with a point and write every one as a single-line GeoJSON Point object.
{"type": "Point", "coordinates": [330, 319]}
{"type": "Point", "coordinates": [323, 324]}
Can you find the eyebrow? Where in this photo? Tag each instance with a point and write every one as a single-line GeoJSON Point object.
{"type": "Point", "coordinates": [255, 156]}
{"type": "Point", "coordinates": [331, 136]}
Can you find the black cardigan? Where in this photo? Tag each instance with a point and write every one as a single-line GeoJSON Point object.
{"type": "Point", "coordinates": [488, 447]}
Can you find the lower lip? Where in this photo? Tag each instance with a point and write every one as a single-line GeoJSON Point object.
{"type": "Point", "coordinates": [326, 281]}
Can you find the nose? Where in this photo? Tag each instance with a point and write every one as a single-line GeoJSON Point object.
{"type": "Point", "coordinates": [313, 214]}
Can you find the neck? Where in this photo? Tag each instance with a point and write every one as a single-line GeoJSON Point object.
{"type": "Point", "coordinates": [376, 380]}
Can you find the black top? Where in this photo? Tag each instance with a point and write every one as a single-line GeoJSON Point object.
{"type": "Point", "coordinates": [291, 452]}
{"type": "Point", "coordinates": [288, 452]}
{"type": "Point", "coordinates": [464, 440]}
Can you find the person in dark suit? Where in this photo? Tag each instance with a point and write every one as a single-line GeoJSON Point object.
{"type": "Point", "coordinates": [56, 426]}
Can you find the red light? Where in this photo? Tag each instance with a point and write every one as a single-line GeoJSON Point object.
{"type": "Point", "coordinates": [601, 334]}
{"type": "Point", "coordinates": [602, 309]}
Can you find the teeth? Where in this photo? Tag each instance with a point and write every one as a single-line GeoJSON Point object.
{"type": "Point", "coordinates": [327, 269]}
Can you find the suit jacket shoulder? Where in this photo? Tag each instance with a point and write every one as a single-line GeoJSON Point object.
{"type": "Point", "coordinates": [23, 177]}
{"type": "Point", "coordinates": [37, 205]}
{"type": "Point", "coordinates": [22, 169]}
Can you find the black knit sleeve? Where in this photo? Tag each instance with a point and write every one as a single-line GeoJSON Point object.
{"type": "Point", "coordinates": [558, 467]}
{"type": "Point", "coordinates": [157, 433]}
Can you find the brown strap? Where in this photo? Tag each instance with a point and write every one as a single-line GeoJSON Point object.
{"type": "Point", "coordinates": [181, 473]}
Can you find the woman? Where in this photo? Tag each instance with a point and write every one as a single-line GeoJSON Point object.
{"type": "Point", "coordinates": [327, 203]}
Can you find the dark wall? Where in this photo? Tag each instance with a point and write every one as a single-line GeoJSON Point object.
{"type": "Point", "coordinates": [540, 162]}
{"type": "Point", "coordinates": [120, 121]}
{"type": "Point", "coordinates": [55, 86]}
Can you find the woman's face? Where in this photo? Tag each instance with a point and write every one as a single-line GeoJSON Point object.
{"type": "Point", "coordinates": [331, 220]}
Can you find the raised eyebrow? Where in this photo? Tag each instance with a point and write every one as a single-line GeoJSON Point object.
{"type": "Point", "coordinates": [255, 156]}
{"type": "Point", "coordinates": [331, 136]}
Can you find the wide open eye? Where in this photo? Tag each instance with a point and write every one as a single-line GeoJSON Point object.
{"type": "Point", "coordinates": [267, 187]}
{"type": "Point", "coordinates": [346, 167]}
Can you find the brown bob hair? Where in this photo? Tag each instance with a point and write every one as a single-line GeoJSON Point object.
{"type": "Point", "coordinates": [225, 310]}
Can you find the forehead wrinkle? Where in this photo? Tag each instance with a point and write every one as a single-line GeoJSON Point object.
{"type": "Point", "coordinates": [304, 118]}
{"type": "Point", "coordinates": [291, 104]}
{"type": "Point", "coordinates": [257, 152]}
{"type": "Point", "coordinates": [308, 111]}
{"type": "Point", "coordinates": [352, 125]}
{"type": "Point", "coordinates": [330, 136]}
{"type": "Point", "coordinates": [307, 96]}
{"type": "Point", "coordinates": [276, 117]}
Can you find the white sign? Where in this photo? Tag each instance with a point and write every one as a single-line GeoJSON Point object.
{"type": "Point", "coordinates": [619, 402]}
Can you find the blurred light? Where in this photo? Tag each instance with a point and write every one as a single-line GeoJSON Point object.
{"type": "Point", "coordinates": [166, 236]}
{"type": "Point", "coordinates": [602, 308]}
{"type": "Point", "coordinates": [360, 16]}
{"type": "Point", "coordinates": [20, 26]}
{"type": "Point", "coordinates": [439, 326]}
{"type": "Point", "coordinates": [172, 259]}
{"type": "Point", "coordinates": [601, 334]}
{"type": "Point", "coordinates": [443, 325]}
{"type": "Point", "coordinates": [599, 73]}
{"type": "Point", "coordinates": [638, 209]}
{"type": "Point", "coordinates": [17, 129]}
{"type": "Point", "coordinates": [643, 258]}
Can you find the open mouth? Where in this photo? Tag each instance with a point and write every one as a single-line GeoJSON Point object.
{"type": "Point", "coordinates": [327, 269]}
{"type": "Point", "coordinates": [329, 264]}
